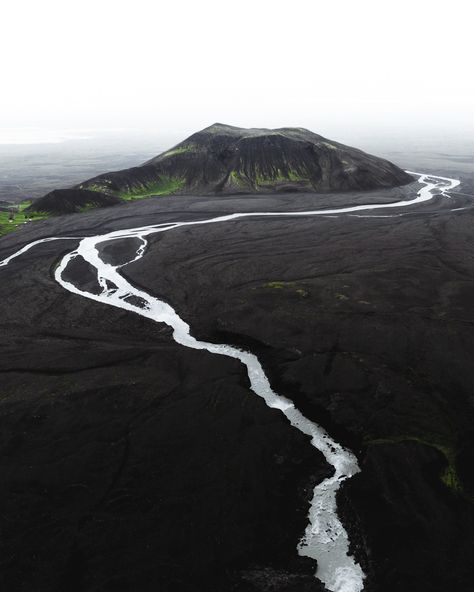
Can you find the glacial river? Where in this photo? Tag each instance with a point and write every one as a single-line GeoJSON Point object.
{"type": "Point", "coordinates": [325, 538]}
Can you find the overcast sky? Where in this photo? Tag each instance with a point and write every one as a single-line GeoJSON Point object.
{"type": "Point", "coordinates": [179, 66]}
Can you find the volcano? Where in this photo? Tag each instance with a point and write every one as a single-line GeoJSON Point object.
{"type": "Point", "coordinates": [223, 159]}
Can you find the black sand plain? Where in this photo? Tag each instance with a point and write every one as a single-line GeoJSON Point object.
{"type": "Point", "coordinates": [132, 464]}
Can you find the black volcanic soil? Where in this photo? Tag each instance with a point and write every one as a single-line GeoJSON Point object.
{"type": "Point", "coordinates": [129, 463]}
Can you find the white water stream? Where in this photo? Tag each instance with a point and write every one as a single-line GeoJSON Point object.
{"type": "Point", "coordinates": [325, 538]}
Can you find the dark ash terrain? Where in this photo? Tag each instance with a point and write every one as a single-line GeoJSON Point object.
{"type": "Point", "coordinates": [130, 463]}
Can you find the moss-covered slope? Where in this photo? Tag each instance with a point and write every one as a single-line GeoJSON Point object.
{"type": "Point", "coordinates": [223, 158]}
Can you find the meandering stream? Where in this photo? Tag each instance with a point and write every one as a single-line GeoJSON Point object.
{"type": "Point", "coordinates": [325, 538]}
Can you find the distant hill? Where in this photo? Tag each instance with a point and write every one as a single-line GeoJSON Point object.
{"type": "Point", "coordinates": [222, 159]}
{"type": "Point", "coordinates": [68, 201]}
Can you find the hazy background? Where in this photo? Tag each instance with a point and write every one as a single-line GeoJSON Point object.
{"type": "Point", "coordinates": [96, 84]}
{"type": "Point", "coordinates": [178, 66]}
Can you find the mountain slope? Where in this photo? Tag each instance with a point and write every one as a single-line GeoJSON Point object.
{"type": "Point", "coordinates": [230, 160]}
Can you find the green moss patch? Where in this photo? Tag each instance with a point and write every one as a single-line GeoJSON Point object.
{"type": "Point", "coordinates": [280, 177]}
{"type": "Point", "coordinates": [451, 479]}
{"type": "Point", "coordinates": [277, 285]}
{"type": "Point", "coordinates": [449, 476]}
{"type": "Point", "coordinates": [166, 186]}
{"type": "Point", "coordinates": [237, 179]}
{"type": "Point", "coordinates": [291, 286]}
{"type": "Point", "coordinates": [24, 204]}
{"type": "Point", "coordinates": [96, 187]}
{"type": "Point", "coordinates": [178, 150]}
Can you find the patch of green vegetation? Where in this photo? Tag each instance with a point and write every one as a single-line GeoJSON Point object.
{"type": "Point", "coordinates": [95, 187]}
{"type": "Point", "coordinates": [10, 221]}
{"type": "Point", "coordinates": [280, 285]}
{"type": "Point", "coordinates": [277, 285]}
{"type": "Point", "coordinates": [86, 207]}
{"type": "Point", "coordinates": [166, 186]}
{"type": "Point", "coordinates": [280, 177]}
{"type": "Point", "coordinates": [450, 479]}
{"type": "Point", "coordinates": [295, 176]}
{"type": "Point", "coordinates": [24, 204]}
{"type": "Point", "coordinates": [17, 215]}
{"type": "Point", "coordinates": [6, 226]}
{"type": "Point", "coordinates": [236, 178]}
{"type": "Point", "coordinates": [449, 476]}
{"type": "Point", "coordinates": [178, 150]}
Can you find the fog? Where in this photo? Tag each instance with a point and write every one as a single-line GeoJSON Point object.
{"type": "Point", "coordinates": [337, 68]}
